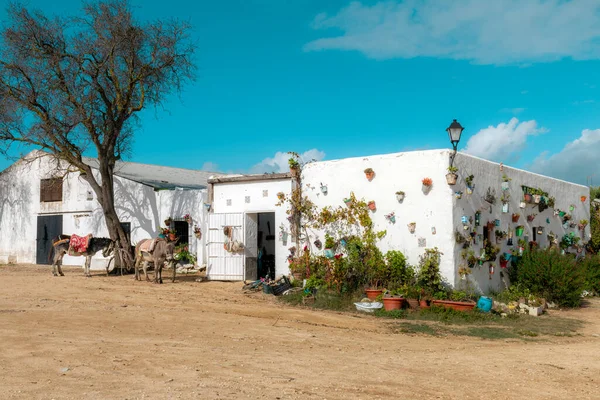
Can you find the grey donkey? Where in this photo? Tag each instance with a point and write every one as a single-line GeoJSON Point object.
{"type": "Point", "coordinates": [162, 252]}
{"type": "Point", "coordinates": [60, 247]}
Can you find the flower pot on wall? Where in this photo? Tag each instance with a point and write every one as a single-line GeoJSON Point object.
{"type": "Point", "coordinates": [537, 198]}
{"type": "Point", "coordinates": [400, 197]}
{"type": "Point", "coordinates": [469, 190]}
{"type": "Point", "coordinates": [426, 189]}
{"type": "Point", "coordinates": [328, 253]}
{"type": "Point", "coordinates": [451, 178]}
{"type": "Point", "coordinates": [458, 194]}
{"type": "Point", "coordinates": [412, 226]}
{"type": "Point", "coordinates": [583, 199]}
{"type": "Point", "coordinates": [515, 218]}
{"type": "Point", "coordinates": [527, 197]}
{"type": "Point", "coordinates": [505, 208]}
{"type": "Point", "coordinates": [505, 185]}
{"type": "Point", "coordinates": [519, 230]}
{"type": "Point", "coordinates": [372, 205]}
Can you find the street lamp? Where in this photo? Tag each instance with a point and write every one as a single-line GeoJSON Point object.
{"type": "Point", "coordinates": [454, 131]}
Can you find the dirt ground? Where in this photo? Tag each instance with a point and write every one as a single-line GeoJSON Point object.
{"type": "Point", "coordinates": [113, 338]}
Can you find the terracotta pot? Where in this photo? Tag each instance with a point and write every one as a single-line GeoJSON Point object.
{"type": "Point", "coordinates": [392, 303]}
{"type": "Point", "coordinates": [515, 218]}
{"type": "Point", "coordinates": [372, 206]}
{"type": "Point", "coordinates": [373, 293]}
{"type": "Point", "coordinates": [455, 305]}
{"type": "Point", "coordinates": [583, 199]}
{"type": "Point", "coordinates": [451, 178]}
{"type": "Point", "coordinates": [172, 237]}
{"type": "Point", "coordinates": [413, 303]}
{"type": "Point", "coordinates": [527, 198]}
{"type": "Point", "coordinates": [424, 303]}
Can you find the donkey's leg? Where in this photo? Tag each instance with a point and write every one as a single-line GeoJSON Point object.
{"type": "Point", "coordinates": [59, 265]}
{"type": "Point", "coordinates": [54, 261]}
{"type": "Point", "coordinates": [136, 271]}
{"type": "Point", "coordinates": [88, 261]}
{"type": "Point", "coordinates": [146, 270]}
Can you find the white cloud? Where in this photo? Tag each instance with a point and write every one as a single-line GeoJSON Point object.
{"type": "Point", "coordinates": [499, 142]}
{"type": "Point", "coordinates": [210, 167]}
{"type": "Point", "coordinates": [279, 162]}
{"type": "Point", "coordinates": [575, 162]}
{"type": "Point", "coordinates": [485, 32]}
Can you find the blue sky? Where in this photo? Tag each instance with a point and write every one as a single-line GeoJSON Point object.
{"type": "Point", "coordinates": [339, 79]}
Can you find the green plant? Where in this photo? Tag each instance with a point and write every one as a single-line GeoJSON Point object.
{"type": "Point", "coordinates": [400, 192]}
{"type": "Point", "coordinates": [183, 254]}
{"type": "Point", "coordinates": [505, 178]}
{"type": "Point", "coordinates": [505, 198]}
{"type": "Point", "coordinates": [452, 169]}
{"type": "Point", "coordinates": [293, 163]}
{"type": "Point", "coordinates": [469, 180]}
{"type": "Point", "coordinates": [398, 272]}
{"type": "Point", "coordinates": [368, 171]}
{"type": "Point", "coordinates": [429, 276]}
{"type": "Point", "coordinates": [490, 195]}
{"type": "Point", "coordinates": [591, 267]}
{"type": "Point", "coordinates": [329, 241]}
{"type": "Point", "coordinates": [551, 275]}
{"type": "Point", "coordinates": [469, 256]}
{"type": "Point", "coordinates": [550, 201]}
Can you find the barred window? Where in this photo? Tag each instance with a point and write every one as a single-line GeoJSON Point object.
{"type": "Point", "coordinates": [51, 190]}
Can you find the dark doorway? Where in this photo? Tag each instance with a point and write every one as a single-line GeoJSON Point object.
{"type": "Point", "coordinates": [48, 227]}
{"type": "Point", "coordinates": [266, 245]}
{"type": "Point", "coordinates": [182, 231]}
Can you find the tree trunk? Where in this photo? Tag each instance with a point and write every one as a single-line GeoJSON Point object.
{"type": "Point", "coordinates": [105, 194]}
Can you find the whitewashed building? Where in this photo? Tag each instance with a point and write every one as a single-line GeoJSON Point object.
{"type": "Point", "coordinates": [38, 201]}
{"type": "Point", "coordinates": [249, 204]}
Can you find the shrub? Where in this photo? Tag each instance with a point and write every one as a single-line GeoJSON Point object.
{"type": "Point", "coordinates": [591, 267]}
{"type": "Point", "coordinates": [429, 277]}
{"type": "Point", "coordinates": [547, 273]}
{"type": "Point", "coordinates": [398, 272]}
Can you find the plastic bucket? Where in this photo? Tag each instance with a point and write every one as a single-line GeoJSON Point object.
{"type": "Point", "coordinates": [485, 304]}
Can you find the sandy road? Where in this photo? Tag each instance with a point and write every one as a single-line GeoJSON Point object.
{"type": "Point", "coordinates": [113, 338]}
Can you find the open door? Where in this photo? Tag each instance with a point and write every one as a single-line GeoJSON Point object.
{"type": "Point", "coordinates": [251, 246]}
{"type": "Point", "coordinates": [222, 264]}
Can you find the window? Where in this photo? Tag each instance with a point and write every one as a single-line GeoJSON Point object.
{"type": "Point", "coordinates": [51, 189]}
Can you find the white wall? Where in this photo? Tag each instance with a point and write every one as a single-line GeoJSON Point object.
{"type": "Point", "coordinates": [237, 193]}
{"type": "Point", "coordinates": [488, 174]}
{"type": "Point", "coordinates": [393, 172]}
{"type": "Point", "coordinates": [136, 203]}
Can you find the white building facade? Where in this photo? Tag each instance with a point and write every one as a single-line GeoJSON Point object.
{"type": "Point", "coordinates": [437, 214]}
{"type": "Point", "coordinates": [145, 196]}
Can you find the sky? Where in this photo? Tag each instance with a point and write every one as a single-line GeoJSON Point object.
{"type": "Point", "coordinates": [332, 79]}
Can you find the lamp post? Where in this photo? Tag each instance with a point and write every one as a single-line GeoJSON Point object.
{"type": "Point", "coordinates": [454, 131]}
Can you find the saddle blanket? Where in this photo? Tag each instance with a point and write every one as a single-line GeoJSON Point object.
{"type": "Point", "coordinates": [79, 244]}
{"type": "Point", "coordinates": [148, 246]}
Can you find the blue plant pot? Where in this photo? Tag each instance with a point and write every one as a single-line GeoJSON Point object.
{"type": "Point", "coordinates": [328, 253]}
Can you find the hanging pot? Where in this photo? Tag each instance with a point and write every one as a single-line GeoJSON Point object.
{"type": "Point", "coordinates": [527, 197]}
{"type": "Point", "coordinates": [519, 230]}
{"type": "Point", "coordinates": [522, 204]}
{"type": "Point", "coordinates": [426, 189]}
{"type": "Point", "coordinates": [412, 226]}
{"type": "Point", "coordinates": [583, 199]}
{"type": "Point", "coordinates": [372, 206]}
{"type": "Point", "coordinates": [540, 230]}
{"type": "Point", "coordinates": [537, 198]}
{"type": "Point", "coordinates": [505, 186]}
{"type": "Point", "coordinates": [328, 253]}
{"type": "Point", "coordinates": [469, 190]}
{"type": "Point", "coordinates": [323, 189]}
{"type": "Point", "coordinates": [392, 219]}
{"type": "Point", "coordinates": [477, 218]}
{"type": "Point", "coordinates": [451, 178]}
{"type": "Point", "coordinates": [458, 195]}
{"type": "Point", "coordinates": [400, 197]}
{"type": "Point", "coordinates": [505, 208]}
{"type": "Point", "coordinates": [347, 201]}
{"type": "Point", "coordinates": [370, 175]}
{"type": "Point", "coordinates": [507, 256]}
{"type": "Point", "coordinates": [515, 218]}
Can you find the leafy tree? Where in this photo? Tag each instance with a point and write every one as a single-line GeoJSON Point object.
{"type": "Point", "coordinates": [594, 243]}
{"type": "Point", "coordinates": [73, 86]}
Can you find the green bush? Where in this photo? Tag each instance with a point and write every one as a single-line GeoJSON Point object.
{"type": "Point", "coordinates": [398, 272]}
{"type": "Point", "coordinates": [548, 274]}
{"type": "Point", "coordinates": [429, 277]}
{"type": "Point", "coordinates": [591, 268]}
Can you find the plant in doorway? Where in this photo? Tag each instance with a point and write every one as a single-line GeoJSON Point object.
{"type": "Point", "coordinates": [183, 255]}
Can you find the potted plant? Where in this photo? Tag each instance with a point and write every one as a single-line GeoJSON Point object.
{"type": "Point", "coordinates": [412, 226]}
{"type": "Point", "coordinates": [469, 183]}
{"type": "Point", "coordinates": [323, 189]}
{"type": "Point", "coordinates": [187, 218]}
{"type": "Point", "coordinates": [458, 194]}
{"type": "Point", "coordinates": [197, 232]}
{"type": "Point", "coordinates": [515, 218]}
{"type": "Point", "coordinates": [369, 173]}
{"type": "Point", "coordinates": [168, 221]}
{"type": "Point", "coordinates": [400, 196]}
{"type": "Point", "coordinates": [391, 217]}
{"type": "Point", "coordinates": [519, 230]}
{"type": "Point", "coordinates": [464, 272]}
{"type": "Point", "coordinates": [490, 226]}
{"type": "Point", "coordinates": [294, 165]}
{"type": "Point", "coordinates": [500, 235]}
{"type": "Point", "coordinates": [329, 246]}
{"type": "Point", "coordinates": [550, 202]}
{"type": "Point", "coordinates": [582, 224]}
{"type": "Point", "coordinates": [281, 196]}
{"type": "Point", "coordinates": [411, 295]}
{"type": "Point", "coordinates": [372, 205]}
{"type": "Point", "coordinates": [540, 230]}
{"type": "Point", "coordinates": [490, 195]}
{"type": "Point", "coordinates": [583, 199]}
{"type": "Point", "coordinates": [427, 183]}
{"type": "Point", "coordinates": [458, 301]}
{"type": "Point", "coordinates": [348, 201]}
{"type": "Point", "coordinates": [393, 300]}
{"type": "Point", "coordinates": [452, 175]}
{"type": "Point", "coordinates": [523, 203]}
{"type": "Point", "coordinates": [531, 217]}
{"type": "Point", "coordinates": [505, 182]}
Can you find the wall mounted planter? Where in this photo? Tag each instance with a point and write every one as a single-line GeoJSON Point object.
{"type": "Point", "coordinates": [391, 217]}
{"type": "Point", "coordinates": [328, 253]}
{"type": "Point", "coordinates": [458, 194]}
{"type": "Point", "coordinates": [519, 230]}
{"type": "Point", "coordinates": [505, 186]}
{"type": "Point", "coordinates": [505, 208]}
{"type": "Point", "coordinates": [370, 174]}
{"type": "Point", "coordinates": [583, 199]}
{"type": "Point", "coordinates": [323, 189]}
{"type": "Point", "coordinates": [451, 178]}
{"type": "Point", "coordinates": [426, 189]}
{"type": "Point", "coordinates": [515, 218]}
{"type": "Point", "coordinates": [522, 204]}
{"type": "Point", "coordinates": [400, 196]}
{"type": "Point", "coordinates": [372, 205]}
{"type": "Point", "coordinates": [537, 198]}
{"type": "Point", "coordinates": [527, 197]}
{"type": "Point", "coordinates": [412, 226]}
{"type": "Point", "coordinates": [469, 190]}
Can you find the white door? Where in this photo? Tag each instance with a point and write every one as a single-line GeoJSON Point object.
{"type": "Point", "coordinates": [224, 265]}
{"type": "Point", "coordinates": [251, 245]}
